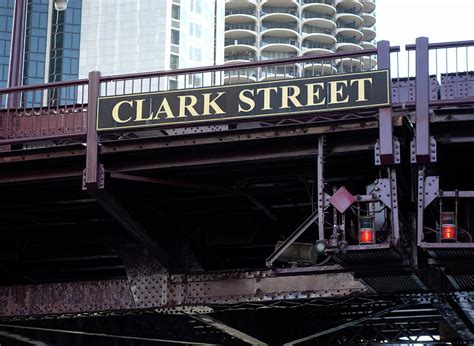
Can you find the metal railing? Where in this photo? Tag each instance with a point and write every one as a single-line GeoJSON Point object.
{"type": "Point", "coordinates": [279, 25]}
{"type": "Point", "coordinates": [242, 26]}
{"type": "Point", "coordinates": [312, 45]}
{"type": "Point", "coordinates": [311, 14]}
{"type": "Point", "coordinates": [234, 41]}
{"type": "Point", "coordinates": [278, 40]}
{"type": "Point", "coordinates": [285, 10]}
{"type": "Point", "coordinates": [249, 11]}
{"type": "Point", "coordinates": [240, 56]}
{"type": "Point", "coordinates": [309, 29]}
{"type": "Point", "coordinates": [327, 2]}
{"type": "Point", "coordinates": [57, 112]}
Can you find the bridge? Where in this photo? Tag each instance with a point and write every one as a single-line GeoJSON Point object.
{"type": "Point", "coordinates": [343, 226]}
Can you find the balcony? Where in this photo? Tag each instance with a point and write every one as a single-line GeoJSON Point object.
{"type": "Point", "coordinates": [326, 2]}
{"type": "Point", "coordinates": [269, 25]}
{"type": "Point", "coordinates": [241, 26]}
{"type": "Point", "coordinates": [348, 25]}
{"type": "Point", "coordinates": [369, 34]}
{"type": "Point", "coordinates": [369, 19]}
{"type": "Point", "coordinates": [307, 45]}
{"type": "Point", "coordinates": [250, 11]}
{"type": "Point", "coordinates": [279, 44]}
{"type": "Point", "coordinates": [240, 41]}
{"type": "Point", "coordinates": [368, 6]}
{"type": "Point", "coordinates": [313, 15]}
{"type": "Point", "coordinates": [310, 29]}
{"type": "Point", "coordinates": [368, 44]}
{"type": "Point", "coordinates": [242, 57]}
{"type": "Point", "coordinates": [279, 72]}
{"type": "Point", "coordinates": [280, 10]}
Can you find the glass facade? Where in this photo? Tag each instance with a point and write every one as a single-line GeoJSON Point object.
{"type": "Point", "coordinates": [35, 42]}
{"type": "Point", "coordinates": [6, 19]}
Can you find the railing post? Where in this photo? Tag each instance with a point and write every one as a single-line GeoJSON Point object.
{"type": "Point", "coordinates": [93, 177]}
{"type": "Point", "coordinates": [386, 150]}
{"type": "Point", "coordinates": [422, 101]}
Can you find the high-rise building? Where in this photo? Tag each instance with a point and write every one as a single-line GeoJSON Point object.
{"type": "Point", "coordinates": [271, 29]}
{"type": "Point", "coordinates": [114, 37]}
{"type": "Point", "coordinates": [134, 36]}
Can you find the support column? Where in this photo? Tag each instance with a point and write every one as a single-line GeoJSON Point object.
{"type": "Point", "coordinates": [422, 101]}
{"type": "Point", "coordinates": [385, 113]}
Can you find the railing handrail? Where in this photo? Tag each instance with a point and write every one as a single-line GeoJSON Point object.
{"type": "Point", "coordinates": [212, 68]}
{"type": "Point", "coordinates": [437, 45]}
{"type": "Point", "coordinates": [49, 85]}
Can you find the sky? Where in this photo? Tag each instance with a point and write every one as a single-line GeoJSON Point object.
{"type": "Point", "coordinates": [402, 21]}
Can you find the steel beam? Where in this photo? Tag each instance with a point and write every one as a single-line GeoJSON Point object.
{"type": "Point", "coordinates": [422, 101]}
{"type": "Point", "coordinates": [177, 290]}
{"type": "Point", "coordinates": [456, 318]}
{"type": "Point", "coordinates": [211, 321]}
{"type": "Point", "coordinates": [385, 114]}
{"type": "Point", "coordinates": [110, 204]}
{"type": "Point", "coordinates": [346, 325]}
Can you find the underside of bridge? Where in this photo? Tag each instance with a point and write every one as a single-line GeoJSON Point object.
{"type": "Point", "coordinates": [249, 232]}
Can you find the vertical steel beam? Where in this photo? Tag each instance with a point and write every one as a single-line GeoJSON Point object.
{"type": "Point", "coordinates": [420, 204]}
{"type": "Point", "coordinates": [17, 51]}
{"type": "Point", "coordinates": [385, 113]}
{"type": "Point", "coordinates": [93, 174]}
{"type": "Point", "coordinates": [422, 101]}
{"type": "Point", "coordinates": [320, 182]}
{"type": "Point", "coordinates": [394, 197]}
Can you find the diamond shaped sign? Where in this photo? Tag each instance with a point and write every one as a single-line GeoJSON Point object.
{"type": "Point", "coordinates": [342, 199]}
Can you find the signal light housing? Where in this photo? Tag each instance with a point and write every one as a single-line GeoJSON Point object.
{"type": "Point", "coordinates": [448, 227]}
{"type": "Point", "coordinates": [366, 230]}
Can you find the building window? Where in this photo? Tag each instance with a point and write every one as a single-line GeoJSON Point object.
{"type": "Point", "coordinates": [174, 36]}
{"type": "Point", "coordinates": [175, 12]}
{"type": "Point", "coordinates": [195, 29]}
{"type": "Point", "coordinates": [173, 84]}
{"type": "Point", "coordinates": [174, 62]}
{"type": "Point", "coordinates": [196, 6]}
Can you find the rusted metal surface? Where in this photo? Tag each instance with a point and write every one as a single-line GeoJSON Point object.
{"type": "Point", "coordinates": [176, 290]}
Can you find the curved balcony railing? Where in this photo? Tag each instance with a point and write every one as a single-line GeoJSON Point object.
{"type": "Point", "coordinates": [349, 10]}
{"type": "Point", "coordinates": [349, 25]}
{"type": "Point", "coordinates": [341, 39]}
{"type": "Point", "coordinates": [248, 11]}
{"type": "Point", "coordinates": [234, 41]}
{"type": "Point", "coordinates": [309, 29]}
{"type": "Point", "coordinates": [316, 45]}
{"type": "Point", "coordinates": [279, 25]}
{"type": "Point", "coordinates": [241, 26]}
{"type": "Point", "coordinates": [311, 14]}
{"type": "Point", "coordinates": [290, 71]}
{"type": "Point", "coordinates": [285, 10]}
{"type": "Point", "coordinates": [276, 55]}
{"type": "Point", "coordinates": [327, 2]}
{"type": "Point", "coordinates": [279, 40]}
{"type": "Point", "coordinates": [240, 56]}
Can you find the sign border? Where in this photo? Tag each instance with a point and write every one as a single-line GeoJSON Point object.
{"type": "Point", "coordinates": [231, 118]}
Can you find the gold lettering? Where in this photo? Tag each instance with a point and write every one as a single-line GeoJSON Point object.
{"type": "Point", "coordinates": [266, 97]}
{"type": "Point", "coordinates": [139, 112]}
{"type": "Point", "coordinates": [335, 91]}
{"type": "Point", "coordinates": [311, 94]}
{"type": "Point", "coordinates": [183, 107]}
{"type": "Point", "coordinates": [115, 111]}
{"type": "Point", "coordinates": [164, 108]}
{"type": "Point", "coordinates": [247, 100]}
{"type": "Point", "coordinates": [285, 97]}
{"type": "Point", "coordinates": [361, 88]}
{"type": "Point", "coordinates": [208, 103]}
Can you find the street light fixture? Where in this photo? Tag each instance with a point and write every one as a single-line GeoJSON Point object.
{"type": "Point", "coordinates": [60, 5]}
